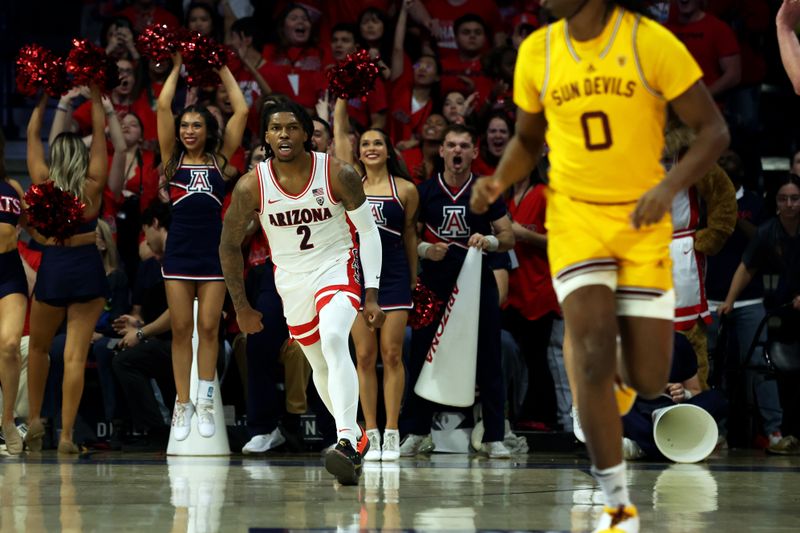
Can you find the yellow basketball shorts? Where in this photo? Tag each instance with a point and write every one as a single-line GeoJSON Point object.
{"type": "Point", "coordinates": [595, 244]}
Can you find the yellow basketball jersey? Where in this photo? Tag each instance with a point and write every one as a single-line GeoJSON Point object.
{"type": "Point", "coordinates": [605, 103]}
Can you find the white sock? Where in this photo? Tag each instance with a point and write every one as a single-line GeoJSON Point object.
{"type": "Point", "coordinates": [205, 391]}
{"type": "Point", "coordinates": [613, 484]}
{"type": "Point", "coordinates": [335, 321]}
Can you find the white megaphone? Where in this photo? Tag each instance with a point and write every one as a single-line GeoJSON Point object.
{"type": "Point", "coordinates": [448, 374]}
{"type": "Point", "coordinates": [684, 433]}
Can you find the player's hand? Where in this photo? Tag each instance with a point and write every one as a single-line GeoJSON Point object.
{"type": "Point", "coordinates": [373, 315]}
{"type": "Point", "coordinates": [484, 193]}
{"type": "Point", "coordinates": [249, 320]}
{"type": "Point", "coordinates": [652, 206]}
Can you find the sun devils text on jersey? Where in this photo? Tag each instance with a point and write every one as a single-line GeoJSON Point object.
{"type": "Point", "coordinates": [587, 90]}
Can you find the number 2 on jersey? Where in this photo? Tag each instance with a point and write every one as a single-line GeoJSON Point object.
{"type": "Point", "coordinates": [305, 231]}
{"type": "Point", "coordinates": [593, 122]}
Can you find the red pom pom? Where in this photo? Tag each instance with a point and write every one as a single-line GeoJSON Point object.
{"type": "Point", "coordinates": [426, 307]}
{"type": "Point", "coordinates": [87, 64]}
{"type": "Point", "coordinates": [354, 77]}
{"type": "Point", "coordinates": [38, 68]}
{"type": "Point", "coordinates": [202, 56]}
{"type": "Point", "coordinates": [157, 42]}
{"type": "Point", "coordinates": [53, 212]}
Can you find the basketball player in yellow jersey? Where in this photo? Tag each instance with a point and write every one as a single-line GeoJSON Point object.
{"type": "Point", "coordinates": [595, 85]}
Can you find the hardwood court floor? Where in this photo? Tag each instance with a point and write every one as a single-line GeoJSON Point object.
{"type": "Point", "coordinates": [734, 492]}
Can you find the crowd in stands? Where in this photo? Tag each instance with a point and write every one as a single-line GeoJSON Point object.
{"type": "Point", "coordinates": [442, 105]}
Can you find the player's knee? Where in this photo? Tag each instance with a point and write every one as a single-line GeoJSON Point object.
{"type": "Point", "coordinates": [595, 359]}
{"type": "Point", "coordinates": [334, 341]}
{"type": "Point", "coordinates": [648, 382]}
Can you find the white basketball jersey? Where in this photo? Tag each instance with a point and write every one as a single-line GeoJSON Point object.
{"type": "Point", "coordinates": [308, 230]}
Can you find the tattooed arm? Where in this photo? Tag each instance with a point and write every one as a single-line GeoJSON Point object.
{"type": "Point", "coordinates": [348, 189]}
{"type": "Point", "coordinates": [244, 202]}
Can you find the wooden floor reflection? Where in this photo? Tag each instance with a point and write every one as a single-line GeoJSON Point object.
{"type": "Point", "coordinates": [124, 492]}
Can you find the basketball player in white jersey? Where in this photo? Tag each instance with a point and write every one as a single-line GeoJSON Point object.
{"type": "Point", "coordinates": [310, 206]}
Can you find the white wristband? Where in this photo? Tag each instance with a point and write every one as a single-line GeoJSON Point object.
{"type": "Point", "coordinates": [492, 243]}
{"type": "Point", "coordinates": [422, 249]}
{"type": "Point", "coordinates": [687, 394]}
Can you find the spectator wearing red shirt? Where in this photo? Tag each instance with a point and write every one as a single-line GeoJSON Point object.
{"type": "Point", "coordinates": [424, 161]}
{"type": "Point", "coordinates": [132, 184]}
{"type": "Point", "coordinates": [144, 12]}
{"type": "Point", "coordinates": [711, 42]}
{"type": "Point", "coordinates": [245, 40]}
{"type": "Point", "coordinates": [532, 307]}
{"type": "Point", "coordinates": [463, 71]}
{"type": "Point", "coordinates": [500, 68]}
{"type": "Point", "coordinates": [439, 17]}
{"type": "Point", "coordinates": [127, 97]}
{"type": "Point", "coordinates": [457, 107]}
{"type": "Point", "coordinates": [294, 65]}
{"type": "Point", "coordinates": [374, 35]}
{"type": "Point", "coordinates": [370, 111]}
{"type": "Point", "coordinates": [499, 129]}
{"type": "Point", "coordinates": [413, 103]}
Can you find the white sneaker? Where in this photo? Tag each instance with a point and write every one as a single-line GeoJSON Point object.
{"type": "Point", "coordinates": [205, 419]}
{"type": "Point", "coordinates": [374, 452]}
{"type": "Point", "coordinates": [577, 430]}
{"type": "Point", "coordinates": [182, 420]}
{"type": "Point", "coordinates": [391, 445]}
{"type": "Point", "coordinates": [262, 443]}
{"type": "Point", "coordinates": [631, 450]}
{"type": "Point", "coordinates": [496, 450]}
{"type": "Point", "coordinates": [414, 444]}
{"type": "Point", "coordinates": [622, 520]}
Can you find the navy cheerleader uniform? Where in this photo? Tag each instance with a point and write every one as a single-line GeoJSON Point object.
{"type": "Point", "coordinates": [71, 274]}
{"type": "Point", "coordinates": [192, 249]}
{"type": "Point", "coordinates": [12, 275]}
{"type": "Point", "coordinates": [389, 214]}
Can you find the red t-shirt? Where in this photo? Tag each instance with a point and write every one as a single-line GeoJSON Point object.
{"type": "Point", "coordinates": [140, 106]}
{"type": "Point", "coordinates": [530, 285]}
{"type": "Point", "coordinates": [402, 123]}
{"type": "Point", "coordinates": [143, 183]}
{"type": "Point", "coordinates": [708, 40]}
{"type": "Point", "coordinates": [296, 72]}
{"type": "Point", "coordinates": [481, 167]}
{"type": "Point", "coordinates": [447, 14]}
{"type": "Point", "coordinates": [453, 67]}
{"type": "Point", "coordinates": [361, 109]}
{"type": "Point", "coordinates": [414, 163]}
